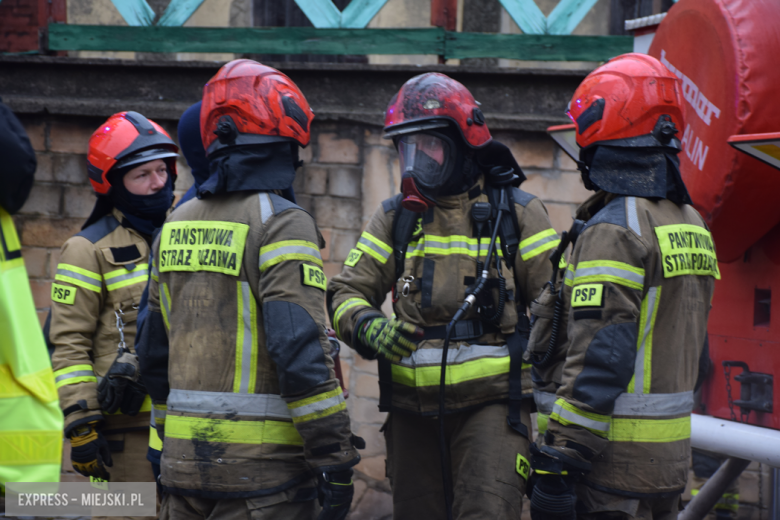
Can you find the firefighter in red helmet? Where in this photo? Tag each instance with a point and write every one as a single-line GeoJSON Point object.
{"type": "Point", "coordinates": [460, 230]}
{"type": "Point", "coordinates": [100, 277]}
{"type": "Point", "coordinates": [616, 392]}
{"type": "Point", "coordinates": [235, 340]}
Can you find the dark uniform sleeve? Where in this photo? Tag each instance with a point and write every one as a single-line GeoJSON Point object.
{"type": "Point", "coordinates": [604, 298]}
{"type": "Point", "coordinates": [368, 275]}
{"type": "Point", "coordinates": [77, 297]}
{"type": "Point", "coordinates": [291, 291]}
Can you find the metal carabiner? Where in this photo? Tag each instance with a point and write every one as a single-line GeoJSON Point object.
{"type": "Point", "coordinates": [120, 326]}
{"type": "Point", "coordinates": [407, 281]}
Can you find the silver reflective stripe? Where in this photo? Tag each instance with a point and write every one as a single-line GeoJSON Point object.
{"type": "Point", "coordinates": [544, 401]}
{"type": "Point", "coordinates": [78, 276]}
{"type": "Point", "coordinates": [454, 244]}
{"type": "Point", "coordinates": [70, 375]}
{"type": "Point", "coordinates": [610, 271]}
{"type": "Point", "coordinates": [266, 210]}
{"type": "Point", "coordinates": [591, 424]}
{"type": "Point", "coordinates": [569, 273]}
{"type": "Point", "coordinates": [654, 404]}
{"type": "Point", "coordinates": [319, 406]}
{"type": "Point", "coordinates": [632, 216]}
{"type": "Point", "coordinates": [527, 249]}
{"type": "Point", "coordinates": [432, 356]}
{"type": "Point", "coordinates": [165, 303]}
{"type": "Point", "coordinates": [136, 273]}
{"type": "Point", "coordinates": [366, 242]}
{"type": "Point", "coordinates": [255, 405]}
{"type": "Point", "coordinates": [639, 363]}
{"type": "Point", "coordinates": [246, 348]}
{"type": "Point", "coordinates": [288, 250]}
{"type": "Point", "coordinates": [155, 270]}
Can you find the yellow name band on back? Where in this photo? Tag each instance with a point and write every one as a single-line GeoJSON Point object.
{"type": "Point", "coordinates": [63, 294]}
{"type": "Point", "coordinates": [353, 257]}
{"type": "Point", "coordinates": [203, 246]}
{"type": "Point", "coordinates": [687, 249]}
{"type": "Point", "coordinates": [587, 295]}
{"type": "Point", "coordinates": [313, 276]}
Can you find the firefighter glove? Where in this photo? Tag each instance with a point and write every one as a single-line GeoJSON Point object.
{"type": "Point", "coordinates": [552, 497]}
{"type": "Point", "coordinates": [89, 452]}
{"type": "Point", "coordinates": [392, 339]}
{"type": "Point", "coordinates": [121, 388]}
{"type": "Point", "coordinates": [335, 492]}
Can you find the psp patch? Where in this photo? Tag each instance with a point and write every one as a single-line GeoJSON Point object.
{"type": "Point", "coordinates": [63, 294]}
{"type": "Point", "coordinates": [313, 276]}
{"type": "Point", "coordinates": [353, 257]}
{"type": "Point", "coordinates": [522, 466]}
{"type": "Point", "coordinates": [587, 295]}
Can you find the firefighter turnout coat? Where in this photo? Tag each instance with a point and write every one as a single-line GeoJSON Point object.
{"type": "Point", "coordinates": [237, 302]}
{"type": "Point", "coordinates": [101, 274]}
{"type": "Point", "coordinates": [638, 290]}
{"type": "Point", "coordinates": [439, 265]}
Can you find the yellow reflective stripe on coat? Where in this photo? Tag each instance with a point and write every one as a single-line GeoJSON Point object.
{"type": "Point", "coordinates": [451, 245]}
{"type": "Point", "coordinates": [146, 406]}
{"type": "Point", "coordinates": [28, 447]}
{"type": "Point", "coordinates": [538, 243]}
{"type": "Point", "coordinates": [609, 271]}
{"type": "Point", "coordinates": [643, 365]}
{"type": "Point", "coordinates": [122, 277]}
{"type": "Point", "coordinates": [203, 245]}
{"type": "Point", "coordinates": [155, 442]}
{"type": "Point", "coordinates": [567, 414]}
{"type": "Point", "coordinates": [371, 245]}
{"type": "Point", "coordinates": [165, 304]}
{"type": "Point", "coordinates": [245, 378]}
{"type": "Point", "coordinates": [568, 278]}
{"type": "Point", "coordinates": [344, 307]}
{"type": "Point", "coordinates": [74, 374]}
{"type": "Point", "coordinates": [279, 252]}
{"type": "Point", "coordinates": [232, 431]}
{"type": "Point", "coordinates": [650, 430]}
{"type": "Point", "coordinates": [79, 277]}
{"type": "Point", "coordinates": [687, 249]}
{"type": "Point", "coordinates": [318, 406]}
{"type": "Point", "coordinates": [541, 422]}
{"type": "Point", "coordinates": [468, 371]}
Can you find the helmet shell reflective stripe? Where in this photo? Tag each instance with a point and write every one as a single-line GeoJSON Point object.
{"type": "Point", "coordinates": [624, 98]}
{"type": "Point", "coordinates": [432, 98]}
{"type": "Point", "coordinates": [263, 103]}
{"type": "Point", "coordinates": [121, 136]}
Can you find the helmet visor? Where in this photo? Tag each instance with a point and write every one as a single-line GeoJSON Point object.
{"type": "Point", "coordinates": [426, 158]}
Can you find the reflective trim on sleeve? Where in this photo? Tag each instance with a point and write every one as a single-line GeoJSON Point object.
{"type": "Point", "coordinates": [541, 422]}
{"type": "Point", "coordinates": [654, 404]}
{"type": "Point", "coordinates": [122, 277]}
{"type": "Point", "coordinates": [80, 277]}
{"type": "Point", "coordinates": [318, 406]}
{"type": "Point", "coordinates": [74, 374]}
{"type": "Point", "coordinates": [538, 243]}
{"type": "Point", "coordinates": [373, 246]}
{"type": "Point", "coordinates": [344, 307]}
{"type": "Point", "coordinates": [165, 304]}
{"type": "Point", "coordinates": [253, 405]}
{"type": "Point", "coordinates": [232, 431]}
{"type": "Point", "coordinates": [155, 271]}
{"type": "Point", "coordinates": [279, 252]}
{"type": "Point", "coordinates": [155, 442]}
{"type": "Point", "coordinates": [643, 365]}
{"type": "Point", "coordinates": [610, 271]}
{"type": "Point", "coordinates": [568, 278]}
{"type": "Point", "coordinates": [266, 210]}
{"type": "Point", "coordinates": [567, 414]}
{"type": "Point", "coordinates": [245, 377]}
{"type": "Point", "coordinates": [650, 430]}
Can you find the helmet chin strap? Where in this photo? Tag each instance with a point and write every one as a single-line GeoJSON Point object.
{"type": "Point", "coordinates": [414, 200]}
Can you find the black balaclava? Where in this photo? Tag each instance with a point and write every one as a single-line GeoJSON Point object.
{"type": "Point", "coordinates": [144, 212]}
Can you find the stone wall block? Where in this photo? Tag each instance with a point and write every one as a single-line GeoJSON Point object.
{"type": "Point", "coordinates": [366, 411]}
{"type": "Point", "coordinates": [343, 242]}
{"type": "Point", "coordinates": [334, 149]}
{"type": "Point", "coordinates": [374, 505]}
{"type": "Point", "coordinates": [69, 137]}
{"type": "Point", "coordinates": [304, 201]}
{"type": "Point", "coordinates": [70, 168]}
{"type": "Point", "coordinates": [44, 199]}
{"type": "Point", "coordinates": [373, 137]}
{"type": "Point", "coordinates": [338, 213]}
{"type": "Point", "coordinates": [36, 131]}
{"type": "Point", "coordinates": [360, 488]}
{"type": "Point", "coordinates": [79, 201]}
{"type": "Point", "coordinates": [41, 292]}
{"type": "Point", "coordinates": [36, 260]}
{"type": "Point", "coordinates": [367, 385]}
{"type": "Point", "coordinates": [316, 180]}
{"type": "Point", "coordinates": [305, 154]}
{"type": "Point", "coordinates": [331, 269]}
{"type": "Point", "coordinates": [530, 152]}
{"type": "Point", "coordinates": [44, 171]}
{"type": "Point", "coordinates": [48, 232]}
{"type": "Point", "coordinates": [54, 260]}
{"type": "Point", "coordinates": [560, 215]}
{"type": "Point", "coordinates": [564, 162]}
{"type": "Point", "coordinates": [381, 178]}
{"type": "Point", "coordinates": [373, 467]}
{"type": "Point", "coordinates": [345, 182]}
{"type": "Point", "coordinates": [557, 187]}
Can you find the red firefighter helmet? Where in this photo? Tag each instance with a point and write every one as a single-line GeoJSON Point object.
{"type": "Point", "coordinates": [431, 101]}
{"type": "Point", "coordinates": [624, 99]}
{"type": "Point", "coordinates": [126, 139]}
{"type": "Point", "coordinates": [249, 103]}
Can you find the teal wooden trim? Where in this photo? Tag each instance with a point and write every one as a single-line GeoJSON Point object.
{"type": "Point", "coordinates": [136, 13]}
{"type": "Point", "coordinates": [272, 40]}
{"type": "Point", "coordinates": [537, 47]}
{"type": "Point", "coordinates": [567, 15]}
{"type": "Point", "coordinates": [359, 13]}
{"type": "Point", "coordinates": [526, 15]}
{"type": "Point", "coordinates": [178, 12]}
{"type": "Point", "coordinates": [323, 14]}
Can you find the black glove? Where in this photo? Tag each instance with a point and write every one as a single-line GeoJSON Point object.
{"type": "Point", "coordinates": [89, 452]}
{"type": "Point", "coordinates": [122, 388]}
{"type": "Point", "coordinates": [335, 492]}
{"type": "Point", "coordinates": [552, 497]}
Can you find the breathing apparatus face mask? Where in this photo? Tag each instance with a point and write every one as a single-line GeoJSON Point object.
{"type": "Point", "coordinates": [427, 162]}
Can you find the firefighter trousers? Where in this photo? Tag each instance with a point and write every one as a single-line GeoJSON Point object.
{"type": "Point", "coordinates": [483, 452]}
{"type": "Point", "coordinates": [273, 507]}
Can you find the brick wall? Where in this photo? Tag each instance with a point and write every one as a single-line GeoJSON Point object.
{"type": "Point", "coordinates": [349, 169]}
{"type": "Point", "coordinates": [22, 22]}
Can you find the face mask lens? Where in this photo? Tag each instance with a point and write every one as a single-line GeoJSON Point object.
{"type": "Point", "coordinates": [424, 157]}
